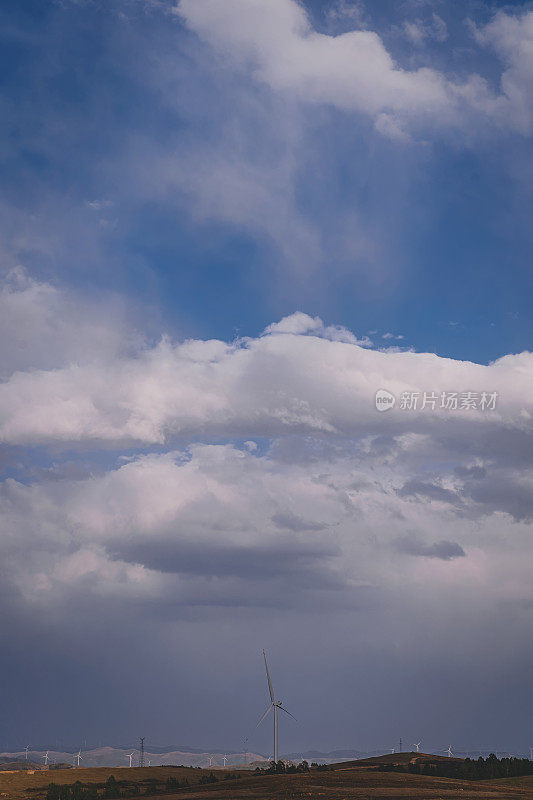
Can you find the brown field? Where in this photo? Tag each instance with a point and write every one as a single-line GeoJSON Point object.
{"type": "Point", "coordinates": [21, 785]}
{"type": "Point", "coordinates": [347, 780]}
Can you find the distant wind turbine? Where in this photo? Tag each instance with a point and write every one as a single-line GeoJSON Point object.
{"type": "Point", "coordinates": [417, 745]}
{"type": "Point", "coordinates": [449, 751]}
{"type": "Point", "coordinates": [225, 759]}
{"type": "Point", "coordinates": [26, 749]}
{"type": "Point", "coordinates": [46, 757]}
{"type": "Point", "coordinates": [393, 750]}
{"type": "Point", "coordinates": [130, 756]}
{"type": "Point", "coordinates": [274, 704]}
{"type": "Point", "coordinates": [78, 758]}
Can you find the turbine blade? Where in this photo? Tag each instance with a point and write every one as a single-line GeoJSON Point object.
{"type": "Point", "coordinates": [269, 709]}
{"type": "Point", "coordinates": [270, 689]}
{"type": "Point", "coordinates": [287, 712]}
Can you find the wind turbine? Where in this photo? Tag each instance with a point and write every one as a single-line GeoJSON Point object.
{"type": "Point", "coordinates": [78, 758]}
{"type": "Point", "coordinates": [46, 757]}
{"type": "Point", "coordinates": [417, 745]}
{"type": "Point", "coordinates": [274, 704]}
{"type": "Point", "coordinates": [225, 759]}
{"type": "Point", "coordinates": [449, 751]}
{"type": "Point", "coordinates": [26, 749]}
{"type": "Point", "coordinates": [392, 750]}
{"type": "Point", "coordinates": [130, 756]}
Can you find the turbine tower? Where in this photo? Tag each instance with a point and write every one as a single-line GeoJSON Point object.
{"type": "Point", "coordinates": [274, 704]}
{"type": "Point", "coordinates": [26, 749]}
{"type": "Point", "coordinates": [78, 758]}
{"type": "Point", "coordinates": [46, 757]}
{"type": "Point", "coordinates": [417, 745]}
{"type": "Point", "coordinates": [225, 759]}
{"type": "Point", "coordinates": [130, 756]}
{"type": "Point", "coordinates": [449, 751]}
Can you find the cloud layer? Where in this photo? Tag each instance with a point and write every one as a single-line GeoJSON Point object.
{"type": "Point", "coordinates": [242, 512]}
{"type": "Point", "coordinates": [299, 376]}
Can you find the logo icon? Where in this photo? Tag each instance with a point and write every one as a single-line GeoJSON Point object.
{"type": "Point", "coordinates": [384, 400]}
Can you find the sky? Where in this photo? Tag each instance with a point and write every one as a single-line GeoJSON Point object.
{"type": "Point", "coordinates": [225, 226]}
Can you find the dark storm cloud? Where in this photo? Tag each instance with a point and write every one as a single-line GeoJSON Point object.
{"type": "Point", "coordinates": [188, 557]}
{"type": "Point", "coordinates": [501, 493]}
{"type": "Point", "coordinates": [444, 549]}
{"type": "Point", "coordinates": [306, 592]}
{"type": "Point", "coordinates": [431, 491]}
{"type": "Point", "coordinates": [506, 446]}
{"type": "Point", "coordinates": [292, 522]}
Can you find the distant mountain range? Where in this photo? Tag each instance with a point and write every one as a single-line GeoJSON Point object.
{"type": "Point", "coordinates": [119, 757]}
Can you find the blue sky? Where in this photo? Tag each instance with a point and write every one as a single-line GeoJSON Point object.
{"type": "Point", "coordinates": [413, 236]}
{"type": "Point", "coordinates": [225, 224]}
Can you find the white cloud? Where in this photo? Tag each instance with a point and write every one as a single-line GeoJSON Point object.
{"type": "Point", "coordinates": [511, 36]}
{"type": "Point", "coordinates": [352, 12]}
{"type": "Point", "coordinates": [418, 31]}
{"type": "Point", "coordinates": [389, 335]}
{"type": "Point", "coordinates": [300, 323]}
{"type": "Point", "coordinates": [297, 323]}
{"type": "Point", "coordinates": [42, 326]}
{"type": "Point", "coordinates": [354, 71]}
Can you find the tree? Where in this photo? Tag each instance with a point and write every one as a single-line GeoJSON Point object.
{"type": "Point", "coordinates": [111, 789]}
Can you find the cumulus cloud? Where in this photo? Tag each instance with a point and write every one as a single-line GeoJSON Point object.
{"type": "Point", "coordinates": [354, 71]}
{"type": "Point", "coordinates": [300, 323]}
{"type": "Point", "coordinates": [299, 376]}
